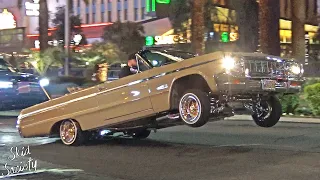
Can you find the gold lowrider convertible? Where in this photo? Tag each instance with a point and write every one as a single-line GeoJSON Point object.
{"type": "Point", "coordinates": [171, 88]}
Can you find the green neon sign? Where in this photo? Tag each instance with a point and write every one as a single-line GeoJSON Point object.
{"type": "Point", "coordinates": [163, 1]}
{"type": "Point", "coordinates": [151, 4]}
{"type": "Point", "coordinates": [149, 41]}
{"type": "Point", "coordinates": [225, 37]}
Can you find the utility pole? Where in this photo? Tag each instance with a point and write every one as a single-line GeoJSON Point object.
{"type": "Point", "coordinates": [67, 38]}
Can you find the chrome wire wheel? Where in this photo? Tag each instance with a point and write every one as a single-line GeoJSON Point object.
{"type": "Point", "coordinates": [68, 132]}
{"type": "Point", "coordinates": [190, 108]}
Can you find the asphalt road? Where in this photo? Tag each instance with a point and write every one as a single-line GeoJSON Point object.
{"type": "Point", "coordinates": [231, 149]}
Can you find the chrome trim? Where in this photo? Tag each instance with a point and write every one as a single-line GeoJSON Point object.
{"type": "Point", "coordinates": [108, 90]}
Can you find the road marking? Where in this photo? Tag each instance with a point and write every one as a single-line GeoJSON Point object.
{"type": "Point", "coordinates": [20, 174]}
{"type": "Point", "coordinates": [239, 145]}
{"type": "Point", "coordinates": [41, 171]}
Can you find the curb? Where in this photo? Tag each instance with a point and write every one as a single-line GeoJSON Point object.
{"type": "Point", "coordinates": [282, 119]}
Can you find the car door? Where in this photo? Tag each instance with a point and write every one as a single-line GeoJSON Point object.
{"type": "Point", "coordinates": [161, 80]}
{"type": "Point", "coordinates": [125, 99]}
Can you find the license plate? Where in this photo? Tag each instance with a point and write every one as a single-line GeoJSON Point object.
{"type": "Point", "coordinates": [26, 87]}
{"type": "Point", "coordinates": [268, 85]}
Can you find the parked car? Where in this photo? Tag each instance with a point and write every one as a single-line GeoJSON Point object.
{"type": "Point", "coordinates": [19, 90]}
{"type": "Point", "coordinates": [170, 89]}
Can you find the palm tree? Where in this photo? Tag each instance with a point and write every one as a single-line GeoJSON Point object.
{"type": "Point", "coordinates": [42, 61]}
{"type": "Point", "coordinates": [248, 23]}
{"type": "Point", "coordinates": [269, 26]}
{"type": "Point", "coordinates": [298, 32]}
{"type": "Point", "coordinates": [44, 21]}
{"type": "Point", "coordinates": [198, 26]}
{"type": "Point", "coordinates": [43, 25]}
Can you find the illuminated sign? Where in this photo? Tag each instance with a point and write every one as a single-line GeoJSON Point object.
{"type": "Point", "coordinates": [149, 41]}
{"type": "Point", "coordinates": [32, 9]}
{"type": "Point", "coordinates": [7, 20]}
{"type": "Point", "coordinates": [229, 37]}
{"type": "Point", "coordinates": [160, 40]}
{"type": "Point", "coordinates": [234, 36]}
{"type": "Point", "coordinates": [151, 4]}
{"type": "Point", "coordinates": [76, 40]}
{"type": "Point", "coordinates": [307, 48]}
{"type": "Point", "coordinates": [225, 37]}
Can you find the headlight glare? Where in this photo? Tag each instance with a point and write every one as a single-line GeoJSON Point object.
{"type": "Point", "coordinates": [295, 69]}
{"type": "Point", "coordinates": [228, 63]}
{"type": "Point", "coordinates": [44, 82]}
{"type": "Point", "coordinates": [6, 84]}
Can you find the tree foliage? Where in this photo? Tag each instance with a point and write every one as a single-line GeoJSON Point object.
{"type": "Point", "coordinates": [179, 14]}
{"type": "Point", "coordinates": [127, 36]}
{"type": "Point", "coordinates": [101, 53]}
{"type": "Point", "coordinates": [312, 93]}
{"type": "Point", "coordinates": [246, 19]}
{"type": "Point", "coordinates": [42, 61]}
{"type": "Point", "coordinates": [75, 23]}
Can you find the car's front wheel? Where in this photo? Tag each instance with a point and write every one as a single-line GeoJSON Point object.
{"type": "Point", "coordinates": [194, 108]}
{"type": "Point", "coordinates": [267, 112]}
{"type": "Point", "coordinates": [71, 133]}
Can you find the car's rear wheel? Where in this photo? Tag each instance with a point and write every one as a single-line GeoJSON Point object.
{"type": "Point", "coordinates": [267, 112]}
{"type": "Point", "coordinates": [194, 107]}
{"type": "Point", "coordinates": [141, 134]}
{"type": "Point", "coordinates": [71, 133]}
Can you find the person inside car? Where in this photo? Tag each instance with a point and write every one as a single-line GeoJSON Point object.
{"type": "Point", "coordinates": [130, 68]}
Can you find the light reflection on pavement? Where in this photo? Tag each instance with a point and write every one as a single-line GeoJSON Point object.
{"type": "Point", "coordinates": [9, 136]}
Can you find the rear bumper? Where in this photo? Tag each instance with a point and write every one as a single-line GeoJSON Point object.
{"type": "Point", "coordinates": [235, 85]}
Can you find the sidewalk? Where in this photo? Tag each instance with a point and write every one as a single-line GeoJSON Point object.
{"type": "Point", "coordinates": [282, 119]}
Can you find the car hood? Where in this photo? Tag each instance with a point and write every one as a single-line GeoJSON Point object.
{"type": "Point", "coordinates": [17, 76]}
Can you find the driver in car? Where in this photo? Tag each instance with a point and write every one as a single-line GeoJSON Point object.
{"type": "Point", "coordinates": [130, 68]}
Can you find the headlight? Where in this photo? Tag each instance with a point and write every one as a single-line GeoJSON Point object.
{"type": "Point", "coordinates": [295, 69]}
{"type": "Point", "coordinates": [228, 63]}
{"type": "Point", "coordinates": [44, 82]}
{"type": "Point", "coordinates": [6, 84]}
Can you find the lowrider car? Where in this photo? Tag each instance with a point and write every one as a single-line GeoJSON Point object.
{"type": "Point", "coordinates": [19, 90]}
{"type": "Point", "coordinates": [171, 88]}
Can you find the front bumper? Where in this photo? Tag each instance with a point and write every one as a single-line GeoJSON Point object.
{"type": "Point", "coordinates": [241, 85]}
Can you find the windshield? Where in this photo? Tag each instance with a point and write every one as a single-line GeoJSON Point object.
{"type": "Point", "coordinates": [161, 58]}
{"type": "Point", "coordinates": [4, 66]}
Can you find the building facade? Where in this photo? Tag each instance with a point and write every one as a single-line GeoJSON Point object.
{"type": "Point", "coordinates": [101, 11]}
